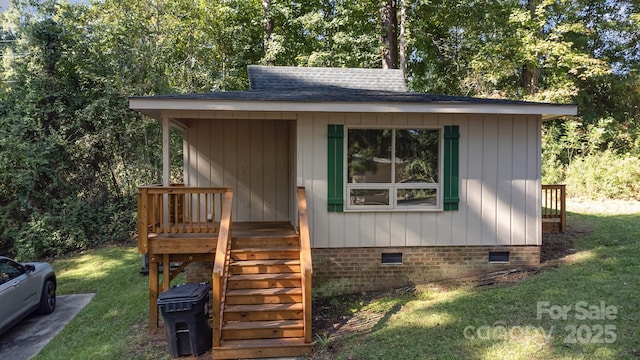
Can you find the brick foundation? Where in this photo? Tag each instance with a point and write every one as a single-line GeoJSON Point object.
{"type": "Point", "coordinates": [350, 270]}
{"type": "Point", "coordinates": [199, 272]}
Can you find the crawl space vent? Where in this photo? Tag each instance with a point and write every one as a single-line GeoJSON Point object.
{"type": "Point", "coordinates": [392, 258]}
{"type": "Point", "coordinates": [498, 256]}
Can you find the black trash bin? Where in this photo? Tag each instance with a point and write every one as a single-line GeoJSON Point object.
{"type": "Point", "coordinates": [185, 309]}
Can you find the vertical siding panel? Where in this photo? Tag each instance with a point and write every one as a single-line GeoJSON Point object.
{"type": "Point", "coordinates": [489, 179]}
{"type": "Point", "coordinates": [304, 151]}
{"type": "Point", "coordinates": [519, 191]}
{"type": "Point", "coordinates": [292, 172]}
{"type": "Point", "coordinates": [352, 229]}
{"type": "Point", "coordinates": [413, 232]}
{"type": "Point", "coordinates": [317, 158]}
{"type": "Point", "coordinates": [474, 182]}
{"type": "Point", "coordinates": [533, 211]}
{"type": "Point", "coordinates": [216, 152]}
{"type": "Point", "coordinates": [414, 119]}
{"type": "Point", "coordinates": [282, 177]}
{"type": "Point", "coordinates": [204, 165]}
{"type": "Point", "coordinates": [505, 163]}
{"type": "Point", "coordinates": [459, 217]}
{"type": "Point", "coordinates": [256, 181]}
{"type": "Point", "coordinates": [336, 219]}
{"type": "Point", "coordinates": [269, 171]}
{"type": "Point", "coordinates": [190, 156]}
{"type": "Point", "coordinates": [398, 229]}
{"type": "Point", "coordinates": [383, 229]}
{"type": "Point", "coordinates": [185, 157]}
{"type": "Point", "coordinates": [243, 175]}
{"type": "Point", "coordinates": [230, 156]}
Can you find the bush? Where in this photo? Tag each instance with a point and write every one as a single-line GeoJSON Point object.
{"type": "Point", "coordinates": [604, 175]}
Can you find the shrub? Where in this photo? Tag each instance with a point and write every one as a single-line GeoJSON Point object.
{"type": "Point", "coordinates": [605, 175]}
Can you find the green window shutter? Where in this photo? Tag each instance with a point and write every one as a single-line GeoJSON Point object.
{"type": "Point", "coordinates": [451, 165]}
{"type": "Point", "coordinates": [335, 160]}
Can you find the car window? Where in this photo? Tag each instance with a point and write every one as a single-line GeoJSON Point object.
{"type": "Point", "coordinates": [9, 270]}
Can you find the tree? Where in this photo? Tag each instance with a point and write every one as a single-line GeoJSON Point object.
{"type": "Point", "coordinates": [389, 21]}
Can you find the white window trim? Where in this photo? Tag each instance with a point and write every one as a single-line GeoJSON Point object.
{"type": "Point", "coordinates": [392, 187]}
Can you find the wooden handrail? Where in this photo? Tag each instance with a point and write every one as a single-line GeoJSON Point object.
{"type": "Point", "coordinates": [177, 209]}
{"type": "Point", "coordinates": [554, 204]}
{"type": "Point", "coordinates": [220, 266]}
{"type": "Point", "coordinates": [306, 262]}
{"type": "Point", "coordinates": [143, 226]}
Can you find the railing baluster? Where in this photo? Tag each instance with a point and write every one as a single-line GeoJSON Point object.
{"type": "Point", "coordinates": [554, 204]}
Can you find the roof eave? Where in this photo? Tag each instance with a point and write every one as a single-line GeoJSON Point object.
{"type": "Point", "coordinates": [154, 107]}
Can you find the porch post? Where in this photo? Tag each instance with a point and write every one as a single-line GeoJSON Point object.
{"type": "Point", "coordinates": [166, 166]}
{"type": "Point", "coordinates": [165, 151]}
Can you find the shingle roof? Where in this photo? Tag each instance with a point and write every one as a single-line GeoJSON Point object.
{"type": "Point", "coordinates": [333, 94]}
{"type": "Point", "coordinates": [337, 89]}
{"type": "Point", "coordinates": [319, 78]}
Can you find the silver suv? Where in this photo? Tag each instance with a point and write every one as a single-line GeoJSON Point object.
{"type": "Point", "coordinates": [25, 288]}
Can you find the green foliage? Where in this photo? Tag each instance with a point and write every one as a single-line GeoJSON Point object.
{"type": "Point", "coordinates": [604, 175]}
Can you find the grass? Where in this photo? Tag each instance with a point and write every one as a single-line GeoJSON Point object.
{"type": "Point", "coordinates": [496, 322]}
{"type": "Point", "coordinates": [114, 324]}
{"type": "Point", "coordinates": [502, 322]}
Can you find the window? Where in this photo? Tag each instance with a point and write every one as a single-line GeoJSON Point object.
{"type": "Point", "coordinates": [408, 187]}
{"type": "Point", "coordinates": [393, 168]}
{"type": "Point", "coordinates": [10, 270]}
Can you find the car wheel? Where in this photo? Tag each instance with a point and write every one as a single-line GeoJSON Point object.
{"type": "Point", "coordinates": [48, 298]}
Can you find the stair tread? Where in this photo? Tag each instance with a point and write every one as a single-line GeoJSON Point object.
{"type": "Point", "coordinates": [269, 291]}
{"type": "Point", "coordinates": [265, 262]}
{"type": "Point", "coordinates": [263, 307]}
{"type": "Point", "coordinates": [262, 343]}
{"type": "Point", "coordinates": [266, 249]}
{"type": "Point", "coordinates": [280, 276]}
{"type": "Point", "coordinates": [263, 236]}
{"type": "Point", "coordinates": [265, 324]}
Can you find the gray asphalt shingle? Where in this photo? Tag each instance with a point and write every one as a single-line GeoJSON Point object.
{"type": "Point", "coordinates": [310, 78]}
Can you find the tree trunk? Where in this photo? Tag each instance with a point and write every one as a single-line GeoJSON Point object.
{"type": "Point", "coordinates": [389, 20]}
{"type": "Point", "coordinates": [529, 80]}
{"type": "Point", "coordinates": [403, 38]}
{"type": "Point", "coordinates": [268, 31]}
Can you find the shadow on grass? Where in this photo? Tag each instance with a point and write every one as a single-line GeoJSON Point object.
{"type": "Point", "coordinates": [584, 308]}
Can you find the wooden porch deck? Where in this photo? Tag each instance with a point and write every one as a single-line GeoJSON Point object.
{"type": "Point", "coordinates": [261, 280]}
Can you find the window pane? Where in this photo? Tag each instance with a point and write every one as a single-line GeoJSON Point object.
{"type": "Point", "coordinates": [369, 197]}
{"type": "Point", "coordinates": [417, 155]}
{"type": "Point", "coordinates": [369, 155]}
{"type": "Point", "coordinates": [417, 197]}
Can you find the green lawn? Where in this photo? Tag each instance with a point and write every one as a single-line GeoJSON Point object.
{"type": "Point", "coordinates": [114, 324]}
{"type": "Point", "coordinates": [496, 322]}
{"type": "Point", "coordinates": [589, 309]}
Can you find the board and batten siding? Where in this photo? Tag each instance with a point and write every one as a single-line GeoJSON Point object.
{"type": "Point", "coordinates": [252, 156]}
{"type": "Point", "coordinates": [500, 185]}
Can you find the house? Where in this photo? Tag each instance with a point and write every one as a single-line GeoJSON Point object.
{"type": "Point", "coordinates": [399, 187]}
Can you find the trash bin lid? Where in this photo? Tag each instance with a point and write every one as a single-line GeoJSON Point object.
{"type": "Point", "coordinates": [186, 292]}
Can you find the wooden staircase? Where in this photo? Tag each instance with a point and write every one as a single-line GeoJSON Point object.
{"type": "Point", "coordinates": [263, 310]}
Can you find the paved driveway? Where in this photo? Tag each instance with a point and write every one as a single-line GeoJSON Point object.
{"type": "Point", "coordinates": [25, 339]}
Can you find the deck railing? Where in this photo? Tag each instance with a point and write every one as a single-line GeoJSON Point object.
{"type": "Point", "coordinates": [178, 210]}
{"type": "Point", "coordinates": [554, 212]}
{"type": "Point", "coordinates": [306, 263]}
{"type": "Point", "coordinates": [220, 267]}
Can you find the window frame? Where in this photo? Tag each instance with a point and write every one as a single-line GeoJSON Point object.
{"type": "Point", "coordinates": [393, 187]}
